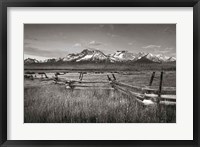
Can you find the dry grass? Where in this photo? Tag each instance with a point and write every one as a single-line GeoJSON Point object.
{"type": "Point", "coordinates": [88, 66]}
{"type": "Point", "coordinates": [56, 104]}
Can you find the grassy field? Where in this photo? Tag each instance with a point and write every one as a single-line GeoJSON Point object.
{"type": "Point", "coordinates": [138, 78]}
{"type": "Point", "coordinates": [102, 66]}
{"type": "Point", "coordinates": [46, 102]}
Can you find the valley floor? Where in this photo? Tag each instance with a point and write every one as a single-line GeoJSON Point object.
{"type": "Point", "coordinates": [47, 102]}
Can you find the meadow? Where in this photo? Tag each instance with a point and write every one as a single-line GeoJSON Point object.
{"type": "Point", "coordinates": [110, 67]}
{"type": "Point", "coordinates": [47, 102]}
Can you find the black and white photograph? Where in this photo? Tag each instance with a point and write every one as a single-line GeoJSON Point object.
{"type": "Point", "coordinates": [99, 73]}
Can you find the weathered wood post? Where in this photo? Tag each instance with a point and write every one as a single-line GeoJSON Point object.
{"type": "Point", "coordinates": [160, 85]}
{"type": "Point", "coordinates": [42, 73]}
{"type": "Point", "coordinates": [45, 75]}
{"type": "Point", "coordinates": [56, 77]}
{"type": "Point", "coordinates": [114, 77]}
{"type": "Point", "coordinates": [152, 77]}
{"type": "Point", "coordinates": [109, 79]}
{"type": "Point", "coordinates": [81, 76]}
{"type": "Point", "coordinates": [159, 97]}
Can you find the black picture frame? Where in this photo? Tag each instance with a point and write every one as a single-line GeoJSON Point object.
{"type": "Point", "coordinates": [4, 4]}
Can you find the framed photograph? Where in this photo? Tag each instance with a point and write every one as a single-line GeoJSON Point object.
{"type": "Point", "coordinates": [99, 73]}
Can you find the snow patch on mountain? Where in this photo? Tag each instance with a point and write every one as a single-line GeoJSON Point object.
{"type": "Point", "coordinates": [122, 56]}
{"type": "Point", "coordinates": [92, 55]}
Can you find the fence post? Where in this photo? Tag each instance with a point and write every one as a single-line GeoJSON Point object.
{"type": "Point", "coordinates": [160, 85]}
{"type": "Point", "coordinates": [80, 76]}
{"type": "Point", "coordinates": [45, 75]}
{"type": "Point", "coordinates": [109, 79]}
{"type": "Point", "coordinates": [152, 77]}
{"type": "Point", "coordinates": [159, 97]}
{"type": "Point", "coordinates": [114, 77]}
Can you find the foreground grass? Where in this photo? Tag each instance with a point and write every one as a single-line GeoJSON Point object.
{"type": "Point", "coordinates": [56, 104]}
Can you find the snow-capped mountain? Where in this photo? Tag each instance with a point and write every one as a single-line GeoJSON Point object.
{"type": "Point", "coordinates": [139, 55]}
{"type": "Point", "coordinates": [162, 58]}
{"type": "Point", "coordinates": [157, 58]}
{"type": "Point", "coordinates": [30, 61]}
{"type": "Point", "coordinates": [126, 56]}
{"type": "Point", "coordinates": [87, 55]}
{"type": "Point", "coordinates": [171, 59]}
{"type": "Point", "coordinates": [93, 55]}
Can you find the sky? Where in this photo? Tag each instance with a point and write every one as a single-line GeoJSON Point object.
{"type": "Point", "coordinates": [42, 41]}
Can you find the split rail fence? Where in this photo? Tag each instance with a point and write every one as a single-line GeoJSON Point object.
{"type": "Point", "coordinates": [144, 95]}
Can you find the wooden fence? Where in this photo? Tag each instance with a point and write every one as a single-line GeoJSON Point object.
{"type": "Point", "coordinates": [145, 95]}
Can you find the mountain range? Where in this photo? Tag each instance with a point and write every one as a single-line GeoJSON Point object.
{"type": "Point", "coordinates": [93, 55]}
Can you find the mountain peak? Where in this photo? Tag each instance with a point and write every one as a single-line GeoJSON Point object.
{"type": "Point", "coordinates": [30, 61]}
{"type": "Point", "coordinates": [89, 50]}
{"type": "Point", "coordinates": [171, 59]}
{"type": "Point", "coordinates": [122, 56]}
{"type": "Point", "coordinates": [94, 55]}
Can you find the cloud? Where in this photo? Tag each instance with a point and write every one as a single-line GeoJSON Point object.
{"type": "Point", "coordinates": [169, 30]}
{"type": "Point", "coordinates": [151, 46]}
{"type": "Point", "coordinates": [130, 43]}
{"type": "Point", "coordinates": [112, 35]}
{"type": "Point", "coordinates": [95, 43]}
{"type": "Point", "coordinates": [157, 49]}
{"type": "Point", "coordinates": [163, 52]}
{"type": "Point", "coordinates": [86, 44]}
{"type": "Point", "coordinates": [77, 45]}
{"type": "Point", "coordinates": [35, 51]}
{"type": "Point", "coordinates": [169, 48]}
{"type": "Point", "coordinates": [44, 53]}
{"type": "Point", "coordinates": [169, 51]}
